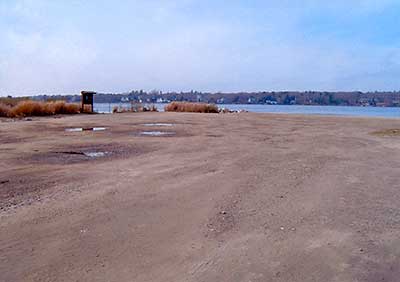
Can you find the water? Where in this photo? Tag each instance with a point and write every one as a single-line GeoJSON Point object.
{"type": "Point", "coordinates": [158, 124]}
{"type": "Point", "coordinates": [321, 110]}
{"type": "Point", "coordinates": [86, 154]}
{"type": "Point", "coordinates": [289, 109]}
{"type": "Point", "coordinates": [80, 129]}
{"type": "Point", "coordinates": [156, 133]}
{"type": "Point", "coordinates": [95, 154]}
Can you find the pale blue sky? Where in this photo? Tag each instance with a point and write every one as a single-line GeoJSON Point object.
{"type": "Point", "coordinates": [50, 46]}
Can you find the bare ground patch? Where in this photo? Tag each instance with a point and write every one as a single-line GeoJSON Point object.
{"type": "Point", "coordinates": [23, 188]}
{"type": "Point", "coordinates": [7, 139]}
{"type": "Point", "coordinates": [225, 219]}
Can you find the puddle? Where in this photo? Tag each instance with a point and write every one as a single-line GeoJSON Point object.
{"type": "Point", "coordinates": [158, 124]}
{"type": "Point", "coordinates": [97, 129]}
{"type": "Point", "coordinates": [157, 133]}
{"type": "Point", "coordinates": [86, 154]}
{"type": "Point", "coordinates": [95, 154]}
{"type": "Point", "coordinates": [80, 129]}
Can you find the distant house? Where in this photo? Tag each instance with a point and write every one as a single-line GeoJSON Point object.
{"type": "Point", "coordinates": [364, 102]}
{"type": "Point", "coordinates": [221, 101]}
{"type": "Point", "coordinates": [251, 100]}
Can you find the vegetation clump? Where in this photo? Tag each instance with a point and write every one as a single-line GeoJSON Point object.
{"type": "Point", "coordinates": [26, 108]}
{"type": "Point", "coordinates": [191, 107]}
{"type": "Point", "coordinates": [387, 132]}
{"type": "Point", "coordinates": [135, 108]}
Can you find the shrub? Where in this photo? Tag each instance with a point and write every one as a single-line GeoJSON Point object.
{"type": "Point", "coordinates": [135, 108]}
{"type": "Point", "coordinates": [151, 108]}
{"type": "Point", "coordinates": [191, 107]}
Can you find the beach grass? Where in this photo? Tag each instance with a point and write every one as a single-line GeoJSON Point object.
{"type": "Point", "coordinates": [191, 107]}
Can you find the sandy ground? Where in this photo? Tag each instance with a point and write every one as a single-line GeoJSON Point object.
{"type": "Point", "coordinates": [234, 197]}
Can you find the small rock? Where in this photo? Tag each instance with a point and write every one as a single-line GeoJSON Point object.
{"type": "Point", "coordinates": [282, 228]}
{"type": "Point", "coordinates": [293, 229]}
{"type": "Point", "coordinates": [223, 212]}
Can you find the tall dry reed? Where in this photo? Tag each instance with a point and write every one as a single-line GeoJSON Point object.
{"type": "Point", "coordinates": [191, 107]}
{"type": "Point", "coordinates": [33, 108]}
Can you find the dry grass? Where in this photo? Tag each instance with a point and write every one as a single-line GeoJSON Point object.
{"type": "Point", "coordinates": [191, 107]}
{"type": "Point", "coordinates": [32, 108]}
{"type": "Point", "coordinates": [387, 132]}
{"type": "Point", "coordinates": [4, 110]}
{"type": "Point", "coordinates": [12, 101]}
{"type": "Point", "coordinates": [64, 108]}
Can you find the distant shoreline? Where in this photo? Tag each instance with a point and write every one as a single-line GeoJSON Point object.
{"type": "Point", "coordinates": [355, 111]}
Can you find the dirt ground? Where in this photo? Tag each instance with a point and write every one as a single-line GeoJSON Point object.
{"type": "Point", "coordinates": [223, 197]}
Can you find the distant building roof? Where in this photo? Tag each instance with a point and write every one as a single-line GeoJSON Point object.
{"type": "Point", "coordinates": [87, 92]}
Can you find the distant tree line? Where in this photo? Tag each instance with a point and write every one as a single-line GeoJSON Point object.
{"type": "Point", "coordinates": [379, 99]}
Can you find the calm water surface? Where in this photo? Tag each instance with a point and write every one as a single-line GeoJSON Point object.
{"type": "Point", "coordinates": [286, 109]}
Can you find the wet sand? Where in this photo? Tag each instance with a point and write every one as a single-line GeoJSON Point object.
{"type": "Point", "coordinates": [222, 197]}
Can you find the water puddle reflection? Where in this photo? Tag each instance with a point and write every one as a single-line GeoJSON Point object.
{"type": "Point", "coordinates": [158, 124]}
{"type": "Point", "coordinates": [157, 133]}
{"type": "Point", "coordinates": [95, 154]}
{"type": "Point", "coordinates": [80, 129]}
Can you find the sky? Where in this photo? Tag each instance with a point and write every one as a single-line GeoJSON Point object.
{"type": "Point", "coordinates": [64, 46]}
